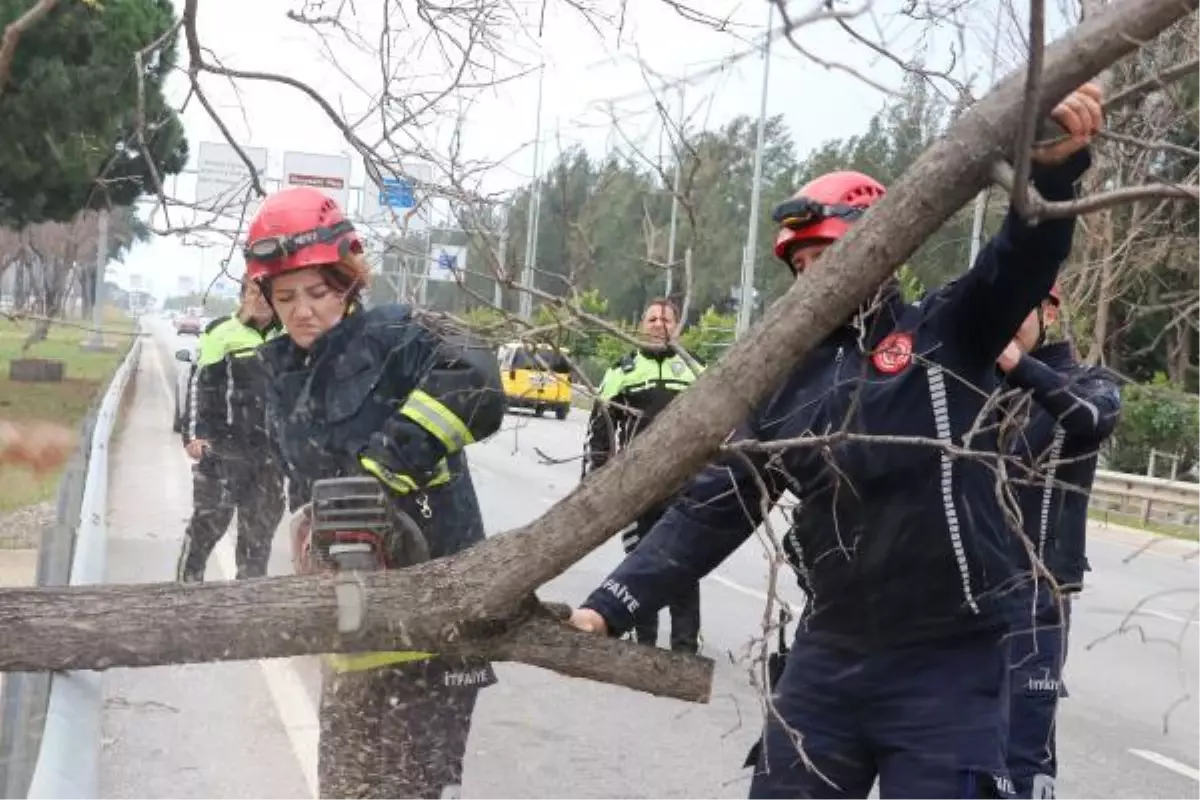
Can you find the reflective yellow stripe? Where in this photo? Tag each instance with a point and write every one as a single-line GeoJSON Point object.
{"type": "Point", "coordinates": [434, 417]}
{"type": "Point", "coordinates": [359, 662]}
{"type": "Point", "coordinates": [402, 484]}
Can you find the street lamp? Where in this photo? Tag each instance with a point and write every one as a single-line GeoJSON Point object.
{"type": "Point", "coordinates": [746, 296]}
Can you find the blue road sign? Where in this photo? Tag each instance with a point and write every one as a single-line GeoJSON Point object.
{"type": "Point", "coordinates": [396, 193]}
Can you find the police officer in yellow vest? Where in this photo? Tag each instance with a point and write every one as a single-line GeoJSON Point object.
{"type": "Point", "coordinates": [633, 393]}
{"type": "Point", "coordinates": [225, 433]}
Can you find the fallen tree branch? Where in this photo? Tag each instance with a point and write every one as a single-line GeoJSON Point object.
{"type": "Point", "coordinates": [1169, 147]}
{"type": "Point", "coordinates": [1026, 132]}
{"type": "Point", "coordinates": [91, 627]}
{"type": "Point", "coordinates": [1039, 208]}
{"type": "Point", "coordinates": [1159, 81]}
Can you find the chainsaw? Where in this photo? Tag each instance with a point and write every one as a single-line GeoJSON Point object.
{"type": "Point", "coordinates": [354, 526]}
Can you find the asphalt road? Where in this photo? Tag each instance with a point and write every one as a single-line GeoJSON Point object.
{"type": "Point", "coordinates": [248, 729]}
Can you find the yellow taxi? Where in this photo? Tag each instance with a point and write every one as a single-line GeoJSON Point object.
{"type": "Point", "coordinates": [537, 377]}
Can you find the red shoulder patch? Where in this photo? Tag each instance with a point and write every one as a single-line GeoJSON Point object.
{"type": "Point", "coordinates": [894, 353]}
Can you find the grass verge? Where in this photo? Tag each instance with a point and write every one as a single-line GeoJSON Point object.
{"type": "Point", "coordinates": [1134, 521]}
{"type": "Point", "coordinates": [86, 375]}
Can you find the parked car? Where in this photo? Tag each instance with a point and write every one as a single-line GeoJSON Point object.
{"type": "Point", "coordinates": [186, 358]}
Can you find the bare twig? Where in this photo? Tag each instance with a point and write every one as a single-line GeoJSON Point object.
{"type": "Point", "coordinates": [140, 113]}
{"type": "Point", "coordinates": [1023, 152]}
{"type": "Point", "coordinates": [1040, 209]}
{"type": "Point", "coordinates": [1159, 81]}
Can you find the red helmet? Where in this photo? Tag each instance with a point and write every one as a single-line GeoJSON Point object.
{"type": "Point", "coordinates": [823, 209]}
{"type": "Point", "coordinates": [297, 228]}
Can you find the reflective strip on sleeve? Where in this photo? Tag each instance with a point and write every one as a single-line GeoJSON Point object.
{"type": "Point", "coordinates": [403, 484]}
{"type": "Point", "coordinates": [439, 420]}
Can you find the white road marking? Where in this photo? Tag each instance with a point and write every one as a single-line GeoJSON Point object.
{"type": "Point", "coordinates": [297, 712]}
{"type": "Point", "coordinates": [737, 587]}
{"type": "Point", "coordinates": [1168, 617]}
{"type": "Point", "coordinates": [1164, 761]}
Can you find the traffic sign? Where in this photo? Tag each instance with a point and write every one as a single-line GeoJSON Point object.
{"type": "Point", "coordinates": [446, 261]}
{"type": "Point", "coordinates": [396, 193]}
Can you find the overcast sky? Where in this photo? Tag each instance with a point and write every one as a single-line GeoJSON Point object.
{"type": "Point", "coordinates": [588, 75]}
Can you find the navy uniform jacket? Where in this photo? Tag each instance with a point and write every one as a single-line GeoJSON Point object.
{"type": "Point", "coordinates": [901, 543]}
{"type": "Point", "coordinates": [325, 404]}
{"type": "Point", "coordinates": [1074, 409]}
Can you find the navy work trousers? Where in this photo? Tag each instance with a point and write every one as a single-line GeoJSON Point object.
{"type": "Point", "coordinates": [928, 721]}
{"type": "Point", "coordinates": [1039, 651]}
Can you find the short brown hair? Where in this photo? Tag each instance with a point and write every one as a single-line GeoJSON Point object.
{"type": "Point", "coordinates": [665, 302]}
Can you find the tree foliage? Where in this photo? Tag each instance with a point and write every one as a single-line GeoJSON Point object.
{"type": "Point", "coordinates": [62, 157]}
{"type": "Point", "coordinates": [1155, 416]}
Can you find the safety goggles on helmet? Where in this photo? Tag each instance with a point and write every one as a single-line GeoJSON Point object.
{"type": "Point", "coordinates": [273, 248]}
{"type": "Point", "coordinates": [801, 212]}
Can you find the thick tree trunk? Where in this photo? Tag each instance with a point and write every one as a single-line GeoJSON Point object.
{"type": "Point", "coordinates": [476, 601]}
{"type": "Point", "coordinates": [138, 625]}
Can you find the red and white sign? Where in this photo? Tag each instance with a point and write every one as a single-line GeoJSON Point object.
{"type": "Point", "coordinates": [894, 353]}
{"type": "Point", "coordinates": [330, 174]}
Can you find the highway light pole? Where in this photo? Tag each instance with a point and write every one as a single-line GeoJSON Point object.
{"type": "Point", "coordinates": [675, 198]}
{"type": "Point", "coordinates": [534, 209]}
{"type": "Point", "coordinates": [981, 198]}
{"type": "Point", "coordinates": [746, 299]}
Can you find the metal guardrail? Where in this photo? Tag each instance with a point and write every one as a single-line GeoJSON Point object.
{"type": "Point", "coordinates": [24, 695]}
{"type": "Point", "coordinates": [50, 723]}
{"type": "Point", "coordinates": [68, 763]}
{"type": "Point", "coordinates": [1146, 498]}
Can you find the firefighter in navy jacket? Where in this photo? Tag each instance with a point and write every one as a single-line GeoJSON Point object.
{"type": "Point", "coordinates": [900, 668]}
{"type": "Point", "coordinates": [392, 393]}
{"type": "Point", "coordinates": [1064, 413]}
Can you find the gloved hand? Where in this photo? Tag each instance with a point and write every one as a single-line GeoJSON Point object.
{"type": "Point", "coordinates": [404, 456]}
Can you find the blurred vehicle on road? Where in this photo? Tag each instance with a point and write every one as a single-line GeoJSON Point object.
{"type": "Point", "coordinates": [187, 352]}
